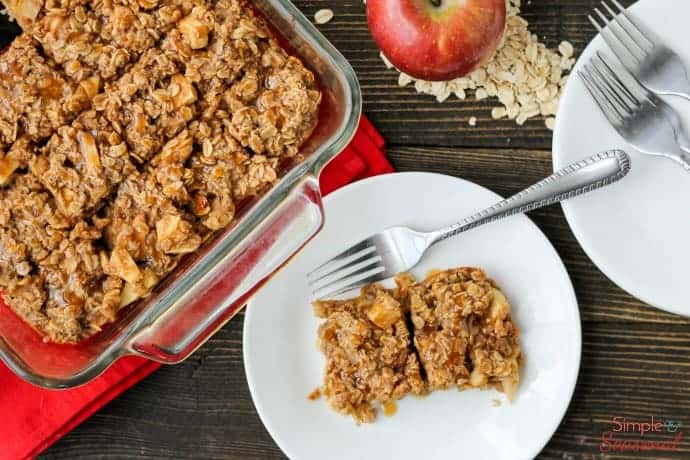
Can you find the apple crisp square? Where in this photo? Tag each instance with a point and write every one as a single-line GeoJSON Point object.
{"type": "Point", "coordinates": [453, 329]}
{"type": "Point", "coordinates": [463, 331]}
{"type": "Point", "coordinates": [369, 358]}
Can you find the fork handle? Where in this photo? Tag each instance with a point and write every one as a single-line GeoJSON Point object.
{"type": "Point", "coordinates": [576, 179]}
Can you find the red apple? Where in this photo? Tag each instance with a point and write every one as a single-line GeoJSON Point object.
{"type": "Point", "coordinates": [437, 39]}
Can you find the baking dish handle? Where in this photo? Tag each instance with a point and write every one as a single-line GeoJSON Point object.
{"type": "Point", "coordinates": [212, 301]}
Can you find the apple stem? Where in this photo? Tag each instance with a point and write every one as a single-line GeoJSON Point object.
{"type": "Point", "coordinates": [436, 3]}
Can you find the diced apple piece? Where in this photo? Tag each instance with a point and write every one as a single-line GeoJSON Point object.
{"type": "Point", "coordinates": [88, 148]}
{"type": "Point", "coordinates": [150, 279]}
{"type": "Point", "coordinates": [478, 378]}
{"type": "Point", "coordinates": [122, 264]}
{"type": "Point", "coordinates": [177, 149]}
{"type": "Point", "coordinates": [385, 311]}
{"type": "Point", "coordinates": [129, 294]}
{"type": "Point", "coordinates": [167, 227]}
{"type": "Point", "coordinates": [90, 86]}
{"type": "Point", "coordinates": [190, 244]}
{"type": "Point", "coordinates": [499, 305]}
{"type": "Point", "coordinates": [195, 31]}
{"type": "Point", "coordinates": [24, 10]}
{"type": "Point", "coordinates": [183, 91]}
{"type": "Point", "coordinates": [175, 235]}
{"type": "Point", "coordinates": [7, 168]}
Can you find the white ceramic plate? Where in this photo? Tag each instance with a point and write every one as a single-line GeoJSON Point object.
{"type": "Point", "coordinates": [636, 231]}
{"type": "Point", "coordinates": [283, 364]}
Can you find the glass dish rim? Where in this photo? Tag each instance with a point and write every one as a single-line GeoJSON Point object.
{"type": "Point", "coordinates": [312, 166]}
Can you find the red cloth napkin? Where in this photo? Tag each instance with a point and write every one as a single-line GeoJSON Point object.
{"type": "Point", "coordinates": [34, 418]}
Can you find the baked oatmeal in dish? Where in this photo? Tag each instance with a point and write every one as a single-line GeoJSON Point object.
{"type": "Point", "coordinates": [131, 131]}
{"type": "Point", "coordinates": [453, 329]}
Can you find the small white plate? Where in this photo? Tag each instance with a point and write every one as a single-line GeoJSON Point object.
{"type": "Point", "coordinates": [283, 364]}
{"type": "Point", "coordinates": [636, 231]}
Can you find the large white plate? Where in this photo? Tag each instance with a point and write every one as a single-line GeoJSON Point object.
{"type": "Point", "coordinates": [638, 230]}
{"type": "Point", "coordinates": [283, 364]}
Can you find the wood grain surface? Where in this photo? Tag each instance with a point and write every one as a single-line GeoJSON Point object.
{"type": "Point", "coordinates": [635, 359]}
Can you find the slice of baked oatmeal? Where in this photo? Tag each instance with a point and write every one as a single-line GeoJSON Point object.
{"type": "Point", "coordinates": [150, 104]}
{"type": "Point", "coordinates": [82, 164]}
{"type": "Point", "coordinates": [224, 173]}
{"type": "Point", "coordinates": [50, 271]}
{"type": "Point", "coordinates": [463, 331]}
{"type": "Point", "coordinates": [94, 37]}
{"type": "Point", "coordinates": [35, 99]}
{"type": "Point", "coordinates": [240, 69]}
{"type": "Point", "coordinates": [147, 226]}
{"type": "Point", "coordinates": [461, 335]}
{"type": "Point", "coordinates": [369, 359]}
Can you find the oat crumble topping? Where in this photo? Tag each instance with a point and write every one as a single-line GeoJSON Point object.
{"type": "Point", "coordinates": [131, 131]}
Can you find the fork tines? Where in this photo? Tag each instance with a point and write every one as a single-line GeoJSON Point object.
{"type": "Point", "coordinates": [616, 92]}
{"type": "Point", "coordinates": [625, 37]}
{"type": "Point", "coordinates": [347, 270]}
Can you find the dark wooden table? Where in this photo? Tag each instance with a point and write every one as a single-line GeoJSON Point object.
{"type": "Point", "coordinates": [635, 359]}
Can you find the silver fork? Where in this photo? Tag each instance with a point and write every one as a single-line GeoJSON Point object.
{"type": "Point", "coordinates": [398, 249]}
{"type": "Point", "coordinates": [640, 117]}
{"type": "Point", "coordinates": [656, 66]}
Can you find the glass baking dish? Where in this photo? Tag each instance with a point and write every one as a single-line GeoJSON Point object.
{"type": "Point", "coordinates": [208, 289]}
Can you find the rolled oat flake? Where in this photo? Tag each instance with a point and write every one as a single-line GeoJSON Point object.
{"type": "Point", "coordinates": [323, 16]}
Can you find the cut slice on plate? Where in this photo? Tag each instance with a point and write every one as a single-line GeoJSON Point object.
{"type": "Point", "coordinates": [369, 360]}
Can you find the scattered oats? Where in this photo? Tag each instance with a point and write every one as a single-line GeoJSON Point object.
{"type": "Point", "coordinates": [566, 49]}
{"type": "Point", "coordinates": [566, 63]}
{"type": "Point", "coordinates": [472, 121]}
{"type": "Point", "coordinates": [549, 107]}
{"type": "Point", "coordinates": [385, 60]}
{"type": "Point", "coordinates": [496, 402]}
{"type": "Point", "coordinates": [550, 123]}
{"type": "Point", "coordinates": [423, 86]}
{"type": "Point", "coordinates": [438, 87]}
{"type": "Point", "coordinates": [525, 76]}
{"type": "Point", "coordinates": [531, 52]}
{"type": "Point", "coordinates": [506, 95]}
{"type": "Point", "coordinates": [404, 79]}
{"type": "Point", "coordinates": [498, 112]}
{"type": "Point", "coordinates": [530, 111]}
{"type": "Point", "coordinates": [443, 94]}
{"type": "Point", "coordinates": [543, 95]}
{"type": "Point", "coordinates": [323, 16]}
